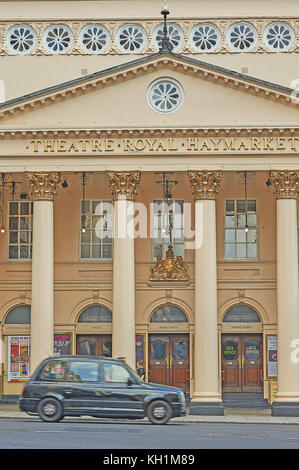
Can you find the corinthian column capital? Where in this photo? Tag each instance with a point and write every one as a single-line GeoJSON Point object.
{"type": "Point", "coordinates": [124, 184]}
{"type": "Point", "coordinates": [285, 183]}
{"type": "Point", "coordinates": [205, 184]}
{"type": "Point", "coordinates": [43, 186]}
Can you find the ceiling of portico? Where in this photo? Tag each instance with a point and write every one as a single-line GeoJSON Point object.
{"type": "Point", "coordinates": [117, 99]}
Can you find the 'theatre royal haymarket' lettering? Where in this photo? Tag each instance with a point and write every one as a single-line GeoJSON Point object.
{"type": "Point", "coordinates": [148, 145]}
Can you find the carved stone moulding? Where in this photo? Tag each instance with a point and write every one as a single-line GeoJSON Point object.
{"type": "Point", "coordinates": [285, 183]}
{"type": "Point", "coordinates": [169, 269]}
{"type": "Point", "coordinates": [205, 184]}
{"type": "Point", "coordinates": [43, 186]}
{"type": "Point", "coordinates": [124, 184]}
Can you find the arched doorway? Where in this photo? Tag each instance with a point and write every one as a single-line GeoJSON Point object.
{"type": "Point", "coordinates": [94, 344]}
{"type": "Point", "coordinates": [242, 353]}
{"type": "Point", "coordinates": [169, 355]}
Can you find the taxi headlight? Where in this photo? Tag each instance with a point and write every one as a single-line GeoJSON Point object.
{"type": "Point", "coordinates": [182, 398]}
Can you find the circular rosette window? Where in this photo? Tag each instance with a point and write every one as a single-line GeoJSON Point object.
{"type": "Point", "coordinates": [242, 37]}
{"type": "Point", "coordinates": [175, 36]}
{"type": "Point", "coordinates": [131, 38]}
{"type": "Point", "coordinates": [205, 37]}
{"type": "Point", "coordinates": [165, 95]}
{"type": "Point", "coordinates": [279, 37]}
{"type": "Point", "coordinates": [94, 39]}
{"type": "Point", "coordinates": [57, 39]}
{"type": "Point", "coordinates": [21, 39]}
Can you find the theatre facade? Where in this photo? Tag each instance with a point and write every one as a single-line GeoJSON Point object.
{"type": "Point", "coordinates": [149, 211]}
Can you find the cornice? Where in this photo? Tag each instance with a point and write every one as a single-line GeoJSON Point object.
{"type": "Point", "coordinates": [139, 67]}
{"type": "Point", "coordinates": [159, 132]}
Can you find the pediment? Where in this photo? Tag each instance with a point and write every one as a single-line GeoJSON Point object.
{"type": "Point", "coordinates": [116, 98]}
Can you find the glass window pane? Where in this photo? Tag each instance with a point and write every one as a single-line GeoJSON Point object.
{"type": "Point", "coordinates": [241, 313]}
{"type": "Point", "coordinates": [96, 251]}
{"type": "Point", "coordinates": [85, 237]}
{"type": "Point", "coordinates": [158, 350]}
{"type": "Point", "coordinates": [13, 237]}
{"type": "Point", "coordinates": [107, 251]}
{"type": "Point", "coordinates": [24, 223]}
{"type": "Point", "coordinates": [13, 223]}
{"type": "Point", "coordinates": [252, 250]}
{"type": "Point", "coordinates": [230, 221]}
{"type": "Point", "coordinates": [241, 220]}
{"type": "Point", "coordinates": [241, 236]}
{"type": "Point", "coordinates": [179, 249]}
{"type": "Point", "coordinates": [168, 313]}
{"type": "Point", "coordinates": [24, 208]}
{"type": "Point", "coordinates": [251, 236]}
{"type": "Point", "coordinates": [96, 314]}
{"type": "Point", "coordinates": [241, 250]}
{"type": "Point", "coordinates": [13, 208]}
{"type": "Point", "coordinates": [85, 251]}
{"type": "Point", "coordinates": [240, 206]}
{"type": "Point", "coordinates": [230, 235]}
{"type": "Point", "coordinates": [19, 315]}
{"type": "Point", "coordinates": [251, 220]}
{"type": "Point", "coordinates": [24, 251]}
{"type": "Point", "coordinates": [157, 251]}
{"type": "Point", "coordinates": [13, 252]}
{"type": "Point", "coordinates": [230, 206]}
{"type": "Point", "coordinates": [229, 251]}
{"type": "Point", "coordinates": [24, 237]}
{"type": "Point", "coordinates": [251, 206]}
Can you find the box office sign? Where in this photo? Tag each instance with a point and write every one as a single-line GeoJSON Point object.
{"type": "Point", "coordinates": [18, 358]}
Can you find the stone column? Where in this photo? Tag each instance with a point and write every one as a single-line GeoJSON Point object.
{"type": "Point", "coordinates": [286, 185]}
{"type": "Point", "coordinates": [123, 186]}
{"type": "Point", "coordinates": [206, 397]}
{"type": "Point", "coordinates": [42, 189]}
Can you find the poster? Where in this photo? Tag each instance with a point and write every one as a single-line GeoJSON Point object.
{"type": "Point", "coordinates": [272, 355]}
{"type": "Point", "coordinates": [18, 358]}
{"type": "Point", "coordinates": [62, 345]}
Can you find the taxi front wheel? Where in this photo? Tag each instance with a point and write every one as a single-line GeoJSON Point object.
{"type": "Point", "coordinates": [50, 410]}
{"type": "Point", "coordinates": [159, 412]}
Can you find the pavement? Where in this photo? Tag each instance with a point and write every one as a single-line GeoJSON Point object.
{"type": "Point", "coordinates": [232, 416]}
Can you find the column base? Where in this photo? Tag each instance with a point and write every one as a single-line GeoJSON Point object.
{"type": "Point", "coordinates": [206, 408]}
{"type": "Point", "coordinates": [285, 408]}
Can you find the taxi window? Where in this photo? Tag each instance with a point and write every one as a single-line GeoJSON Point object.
{"type": "Point", "coordinates": [115, 373]}
{"type": "Point", "coordinates": [54, 370]}
{"type": "Point", "coordinates": [83, 372]}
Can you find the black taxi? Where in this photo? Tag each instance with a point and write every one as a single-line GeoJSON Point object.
{"type": "Point", "coordinates": [100, 387]}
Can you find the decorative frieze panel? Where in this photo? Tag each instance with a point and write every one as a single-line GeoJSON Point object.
{"type": "Point", "coordinates": [197, 36]}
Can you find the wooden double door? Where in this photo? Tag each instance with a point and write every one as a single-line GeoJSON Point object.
{"type": "Point", "coordinates": [242, 363]}
{"type": "Point", "coordinates": [168, 360]}
{"type": "Point", "coordinates": [94, 345]}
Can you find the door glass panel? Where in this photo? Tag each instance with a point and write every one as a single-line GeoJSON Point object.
{"type": "Point", "coordinates": [180, 350]}
{"type": "Point", "coordinates": [87, 348]}
{"type": "Point", "coordinates": [83, 372]}
{"type": "Point", "coordinates": [229, 350]}
{"type": "Point", "coordinates": [158, 350]}
{"type": "Point", "coordinates": [107, 349]}
{"type": "Point", "coordinates": [252, 350]}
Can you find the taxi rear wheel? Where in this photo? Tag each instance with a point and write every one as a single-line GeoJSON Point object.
{"type": "Point", "coordinates": [159, 412]}
{"type": "Point", "coordinates": [50, 410]}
